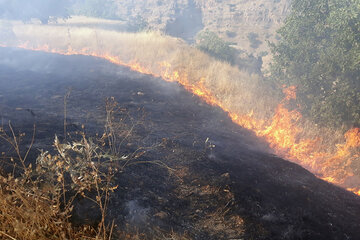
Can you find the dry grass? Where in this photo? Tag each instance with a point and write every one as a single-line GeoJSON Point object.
{"type": "Point", "coordinates": [37, 200]}
{"type": "Point", "coordinates": [38, 204]}
{"type": "Point", "coordinates": [236, 91]}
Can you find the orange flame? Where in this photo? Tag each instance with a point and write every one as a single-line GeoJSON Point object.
{"type": "Point", "coordinates": [282, 131]}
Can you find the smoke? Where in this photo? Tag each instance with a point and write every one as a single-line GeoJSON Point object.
{"type": "Point", "coordinates": [26, 10]}
{"type": "Point", "coordinates": [137, 215]}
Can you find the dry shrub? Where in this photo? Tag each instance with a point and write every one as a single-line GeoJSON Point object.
{"type": "Point", "coordinates": [30, 211]}
{"type": "Point", "coordinates": [37, 202]}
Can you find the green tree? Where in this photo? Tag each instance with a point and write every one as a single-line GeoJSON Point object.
{"type": "Point", "coordinates": [319, 51]}
{"type": "Point", "coordinates": [212, 44]}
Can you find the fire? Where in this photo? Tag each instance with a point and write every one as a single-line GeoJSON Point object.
{"type": "Point", "coordinates": [282, 131]}
{"type": "Point", "coordinates": [354, 190]}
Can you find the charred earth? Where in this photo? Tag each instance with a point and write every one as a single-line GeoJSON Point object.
{"type": "Point", "coordinates": [225, 183]}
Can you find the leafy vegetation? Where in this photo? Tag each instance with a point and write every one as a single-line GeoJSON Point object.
{"type": "Point", "coordinates": [137, 24]}
{"type": "Point", "coordinates": [319, 52]}
{"type": "Point", "coordinates": [212, 44]}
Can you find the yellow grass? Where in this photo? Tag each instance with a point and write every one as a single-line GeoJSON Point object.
{"type": "Point", "coordinates": [239, 91]}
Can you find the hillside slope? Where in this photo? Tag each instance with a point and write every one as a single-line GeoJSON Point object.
{"type": "Point", "coordinates": [233, 20]}
{"type": "Point", "coordinates": [229, 189]}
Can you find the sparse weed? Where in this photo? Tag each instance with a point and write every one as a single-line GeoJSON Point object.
{"type": "Point", "coordinates": [37, 201]}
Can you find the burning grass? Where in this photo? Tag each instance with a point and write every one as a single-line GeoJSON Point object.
{"type": "Point", "coordinates": [248, 99]}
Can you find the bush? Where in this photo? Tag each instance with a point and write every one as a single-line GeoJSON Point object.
{"type": "Point", "coordinates": [137, 24]}
{"type": "Point", "coordinates": [40, 201]}
{"type": "Point", "coordinates": [212, 44]}
{"type": "Point", "coordinates": [231, 34]}
{"type": "Point", "coordinates": [254, 41]}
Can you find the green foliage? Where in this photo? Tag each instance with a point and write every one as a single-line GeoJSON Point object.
{"type": "Point", "coordinates": [95, 8]}
{"type": "Point", "coordinates": [319, 51]}
{"type": "Point", "coordinates": [137, 24]}
{"type": "Point", "coordinates": [254, 41]}
{"type": "Point", "coordinates": [212, 44]}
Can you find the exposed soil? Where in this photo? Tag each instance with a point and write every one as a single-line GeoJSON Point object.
{"type": "Point", "coordinates": [225, 183]}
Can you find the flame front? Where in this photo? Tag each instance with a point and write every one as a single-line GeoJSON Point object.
{"type": "Point", "coordinates": [281, 131]}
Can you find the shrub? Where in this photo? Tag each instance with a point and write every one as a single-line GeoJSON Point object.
{"type": "Point", "coordinates": [137, 24]}
{"type": "Point", "coordinates": [39, 201]}
{"type": "Point", "coordinates": [254, 41]}
{"type": "Point", "coordinates": [212, 44]}
{"type": "Point", "coordinates": [231, 34]}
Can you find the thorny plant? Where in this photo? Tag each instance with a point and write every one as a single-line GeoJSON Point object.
{"type": "Point", "coordinates": [36, 202]}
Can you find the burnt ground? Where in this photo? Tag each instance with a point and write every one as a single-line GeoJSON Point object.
{"type": "Point", "coordinates": [234, 189]}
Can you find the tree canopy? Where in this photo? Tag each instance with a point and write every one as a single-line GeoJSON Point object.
{"type": "Point", "coordinates": [319, 51]}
